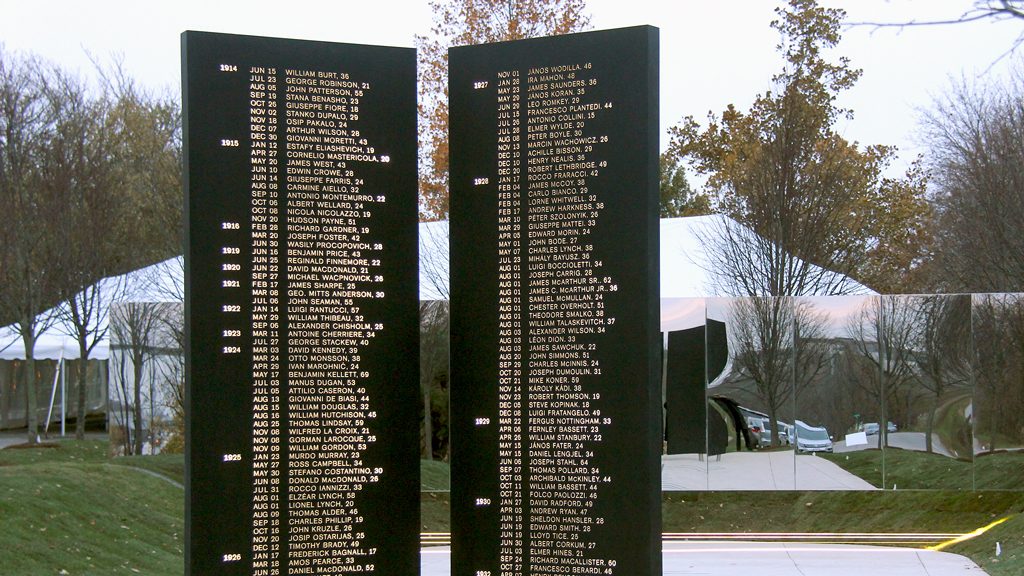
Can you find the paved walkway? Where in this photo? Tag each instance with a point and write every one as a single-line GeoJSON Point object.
{"type": "Point", "coordinates": [769, 559]}
{"type": "Point", "coordinates": [8, 439]}
{"type": "Point", "coordinates": [776, 470]}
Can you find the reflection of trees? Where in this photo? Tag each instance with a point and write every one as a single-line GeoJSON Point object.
{"type": "Point", "coordinates": [880, 338]}
{"type": "Point", "coordinates": [434, 349]}
{"type": "Point", "coordinates": [778, 346]}
{"type": "Point", "coordinates": [434, 371]}
{"type": "Point", "coordinates": [172, 378]}
{"type": "Point", "coordinates": [942, 346]}
{"type": "Point", "coordinates": [998, 405]}
{"type": "Point", "coordinates": [906, 349]}
{"type": "Point", "coordinates": [134, 329]}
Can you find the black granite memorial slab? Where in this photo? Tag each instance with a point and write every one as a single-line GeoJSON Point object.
{"type": "Point", "coordinates": [556, 410]}
{"type": "Point", "coordinates": [301, 305]}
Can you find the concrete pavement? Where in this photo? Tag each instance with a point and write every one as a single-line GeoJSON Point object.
{"type": "Point", "coordinates": [777, 559]}
{"type": "Point", "coordinates": [772, 470]}
{"type": "Point", "coordinates": [7, 439]}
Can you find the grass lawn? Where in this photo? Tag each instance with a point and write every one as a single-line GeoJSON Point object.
{"type": "Point", "coordinates": [170, 466]}
{"type": "Point", "coordinates": [434, 475]}
{"type": "Point", "coordinates": [1010, 536]}
{"type": "Point", "coordinates": [905, 469]}
{"type": "Point", "coordinates": [861, 511]}
{"type": "Point", "coordinates": [66, 510]}
{"type": "Point", "coordinates": [911, 470]}
{"type": "Point", "coordinates": [71, 509]}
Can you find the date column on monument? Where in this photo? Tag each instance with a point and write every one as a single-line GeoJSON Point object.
{"type": "Point", "coordinates": [554, 306]}
{"type": "Point", "coordinates": [301, 293]}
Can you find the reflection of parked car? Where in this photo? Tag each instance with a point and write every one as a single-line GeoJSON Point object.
{"type": "Point", "coordinates": [811, 438]}
{"type": "Point", "coordinates": [872, 428]}
{"type": "Point", "coordinates": [761, 429]}
{"type": "Point", "coordinates": [758, 431]}
{"type": "Point", "coordinates": [784, 436]}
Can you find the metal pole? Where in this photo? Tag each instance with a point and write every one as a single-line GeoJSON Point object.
{"type": "Point", "coordinates": [63, 398]}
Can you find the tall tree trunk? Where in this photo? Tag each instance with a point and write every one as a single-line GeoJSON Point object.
{"type": "Point", "coordinates": [930, 425]}
{"type": "Point", "coordinates": [428, 428]}
{"type": "Point", "coordinates": [137, 389]}
{"type": "Point", "coordinates": [83, 375]}
{"type": "Point", "coordinates": [32, 404]}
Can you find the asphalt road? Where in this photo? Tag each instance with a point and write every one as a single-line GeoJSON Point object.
{"type": "Point", "coordinates": [904, 440]}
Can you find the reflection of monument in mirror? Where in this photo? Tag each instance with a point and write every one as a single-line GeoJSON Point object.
{"type": "Point", "coordinates": [302, 392]}
{"type": "Point", "coordinates": [897, 392]}
{"type": "Point", "coordinates": [555, 377]}
{"type": "Point", "coordinates": [696, 356]}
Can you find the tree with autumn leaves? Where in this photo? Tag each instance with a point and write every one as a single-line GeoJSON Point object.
{"type": "Point", "coordinates": [815, 200]}
{"type": "Point", "coordinates": [461, 23]}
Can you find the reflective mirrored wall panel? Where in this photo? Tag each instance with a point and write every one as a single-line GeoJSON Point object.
{"type": "Point", "coordinates": [684, 464]}
{"type": "Point", "coordinates": [838, 394]}
{"type": "Point", "coordinates": [997, 411]}
{"type": "Point", "coordinates": [927, 383]}
{"type": "Point", "coordinates": [895, 392]}
{"type": "Point", "coordinates": [753, 395]}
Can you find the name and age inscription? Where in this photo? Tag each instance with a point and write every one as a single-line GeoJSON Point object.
{"type": "Point", "coordinates": [561, 206]}
{"type": "Point", "coordinates": [306, 281]}
{"type": "Point", "coordinates": [551, 301]}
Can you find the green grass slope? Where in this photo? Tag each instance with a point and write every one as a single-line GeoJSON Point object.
{"type": "Point", "coordinates": [88, 518]}
{"type": "Point", "coordinates": [71, 509]}
{"type": "Point", "coordinates": [912, 470]}
{"type": "Point", "coordinates": [982, 549]}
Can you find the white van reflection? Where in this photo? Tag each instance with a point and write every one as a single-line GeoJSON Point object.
{"type": "Point", "coordinates": [811, 438]}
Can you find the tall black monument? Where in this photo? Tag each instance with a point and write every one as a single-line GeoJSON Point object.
{"type": "Point", "coordinates": [301, 306]}
{"type": "Point", "coordinates": [556, 412]}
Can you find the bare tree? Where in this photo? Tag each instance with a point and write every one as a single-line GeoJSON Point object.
{"type": "Point", "coordinates": [976, 140]}
{"type": "Point", "coordinates": [434, 316]}
{"type": "Point", "coordinates": [992, 10]}
{"type": "Point", "coordinates": [173, 378]}
{"type": "Point", "coordinates": [146, 127]}
{"type": "Point", "coordinates": [433, 361]}
{"type": "Point", "coordinates": [79, 171]}
{"type": "Point", "coordinates": [998, 400]}
{"type": "Point", "coordinates": [90, 183]}
{"type": "Point", "coordinates": [776, 343]}
{"type": "Point", "coordinates": [880, 340]}
{"type": "Point", "coordinates": [27, 273]}
{"type": "Point", "coordinates": [134, 329]}
{"type": "Point", "coordinates": [941, 349]}
{"type": "Point", "coordinates": [434, 260]}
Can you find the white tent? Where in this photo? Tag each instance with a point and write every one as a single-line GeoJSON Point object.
{"type": "Point", "coordinates": [161, 282]}
{"type": "Point", "coordinates": [685, 270]}
{"type": "Point", "coordinates": [684, 275]}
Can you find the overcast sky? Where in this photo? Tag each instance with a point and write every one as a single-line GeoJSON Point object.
{"type": "Point", "coordinates": [712, 52]}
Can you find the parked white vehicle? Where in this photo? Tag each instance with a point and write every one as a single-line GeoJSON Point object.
{"type": "Point", "coordinates": [811, 438]}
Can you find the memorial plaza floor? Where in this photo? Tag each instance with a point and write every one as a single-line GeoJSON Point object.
{"type": "Point", "coordinates": [778, 470]}
{"type": "Point", "coordinates": [777, 559]}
